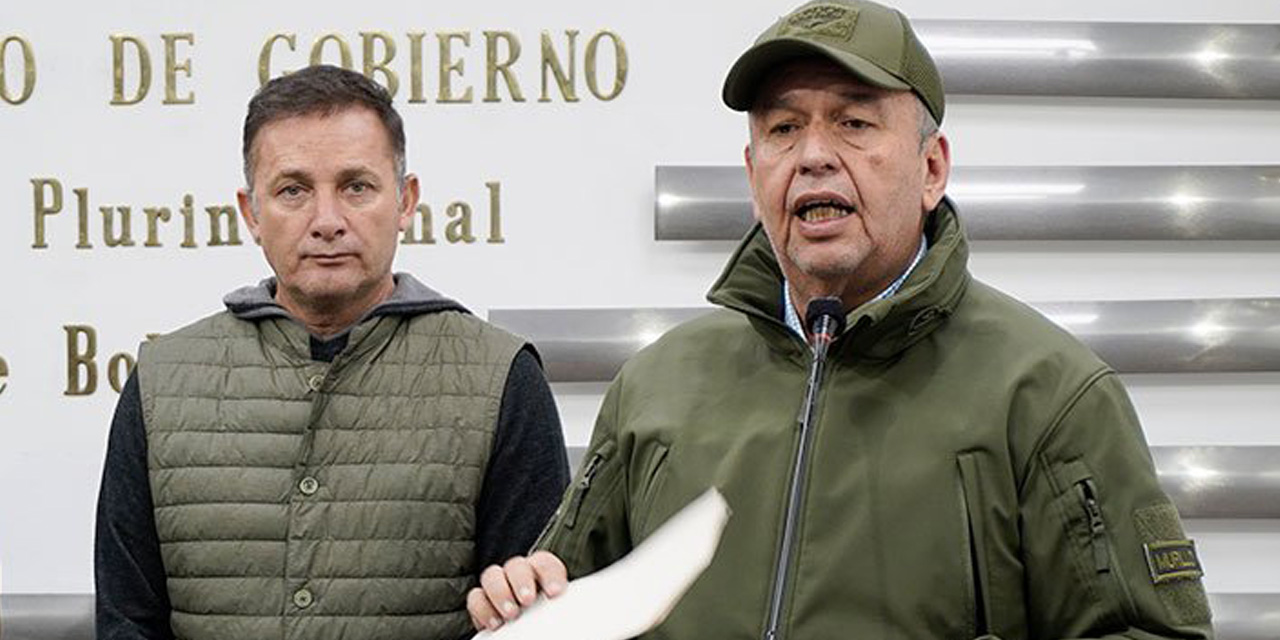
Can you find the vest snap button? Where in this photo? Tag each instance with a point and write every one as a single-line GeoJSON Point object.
{"type": "Point", "coordinates": [302, 598]}
{"type": "Point", "coordinates": [308, 486]}
{"type": "Point", "coordinates": [315, 382]}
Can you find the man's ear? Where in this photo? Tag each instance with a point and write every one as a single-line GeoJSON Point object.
{"type": "Point", "coordinates": [245, 201]}
{"type": "Point", "coordinates": [937, 169]}
{"type": "Point", "coordinates": [409, 195]}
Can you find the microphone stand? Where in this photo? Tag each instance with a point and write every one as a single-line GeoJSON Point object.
{"type": "Point", "coordinates": [825, 319]}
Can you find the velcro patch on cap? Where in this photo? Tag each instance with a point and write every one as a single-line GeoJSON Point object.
{"type": "Point", "coordinates": [826, 20]}
{"type": "Point", "coordinates": [1172, 560]}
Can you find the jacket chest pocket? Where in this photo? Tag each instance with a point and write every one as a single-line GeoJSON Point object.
{"type": "Point", "coordinates": [973, 507]}
{"type": "Point", "coordinates": [992, 546]}
{"type": "Point", "coordinates": [649, 483]}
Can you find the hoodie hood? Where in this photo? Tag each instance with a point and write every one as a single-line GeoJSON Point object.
{"type": "Point", "coordinates": [409, 298]}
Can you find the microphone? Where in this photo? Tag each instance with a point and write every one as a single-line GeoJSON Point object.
{"type": "Point", "coordinates": [824, 317]}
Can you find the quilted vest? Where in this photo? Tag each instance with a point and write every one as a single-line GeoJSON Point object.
{"type": "Point", "coordinates": [301, 499]}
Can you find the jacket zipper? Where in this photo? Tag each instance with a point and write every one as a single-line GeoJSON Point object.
{"type": "Point", "coordinates": [1103, 560]}
{"type": "Point", "coordinates": [1097, 526]}
{"type": "Point", "coordinates": [569, 510]}
{"type": "Point", "coordinates": [580, 492]}
{"type": "Point", "coordinates": [782, 569]}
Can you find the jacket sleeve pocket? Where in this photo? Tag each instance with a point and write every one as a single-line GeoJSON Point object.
{"type": "Point", "coordinates": [1082, 499]}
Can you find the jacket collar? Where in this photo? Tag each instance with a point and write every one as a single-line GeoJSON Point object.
{"type": "Point", "coordinates": [752, 284]}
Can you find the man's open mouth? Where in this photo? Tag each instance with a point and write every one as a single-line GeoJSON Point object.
{"type": "Point", "coordinates": [824, 210]}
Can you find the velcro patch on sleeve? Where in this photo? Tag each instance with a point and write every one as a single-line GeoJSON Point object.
{"type": "Point", "coordinates": [1174, 565]}
{"type": "Point", "coordinates": [1172, 560]}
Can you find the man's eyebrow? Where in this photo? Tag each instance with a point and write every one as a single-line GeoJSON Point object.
{"type": "Point", "coordinates": [774, 103]}
{"type": "Point", "coordinates": [358, 171]}
{"type": "Point", "coordinates": [292, 175]}
{"type": "Point", "coordinates": [861, 96]}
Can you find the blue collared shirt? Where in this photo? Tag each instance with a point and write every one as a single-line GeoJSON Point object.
{"type": "Point", "coordinates": [793, 319]}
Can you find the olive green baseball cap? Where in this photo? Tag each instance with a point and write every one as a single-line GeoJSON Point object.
{"type": "Point", "coordinates": [872, 41]}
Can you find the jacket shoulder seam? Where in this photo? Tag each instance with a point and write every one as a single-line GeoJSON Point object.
{"type": "Point", "coordinates": [1048, 433]}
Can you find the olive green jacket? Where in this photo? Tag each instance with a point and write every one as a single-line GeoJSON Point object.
{"type": "Point", "coordinates": [975, 470]}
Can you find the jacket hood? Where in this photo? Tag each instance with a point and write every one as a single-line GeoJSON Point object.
{"type": "Point", "coordinates": [409, 298]}
{"type": "Point", "coordinates": [752, 284]}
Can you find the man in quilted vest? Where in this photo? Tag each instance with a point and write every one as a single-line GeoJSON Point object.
{"type": "Point", "coordinates": [336, 453]}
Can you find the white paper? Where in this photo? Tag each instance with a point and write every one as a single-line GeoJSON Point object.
{"type": "Point", "coordinates": [635, 593]}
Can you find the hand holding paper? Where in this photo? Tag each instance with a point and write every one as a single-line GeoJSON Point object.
{"type": "Point", "coordinates": [635, 593]}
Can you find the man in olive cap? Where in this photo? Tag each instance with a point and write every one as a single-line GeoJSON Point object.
{"type": "Point", "coordinates": [973, 470]}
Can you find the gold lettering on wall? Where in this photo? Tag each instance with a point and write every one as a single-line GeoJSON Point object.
{"type": "Point", "coordinates": [28, 70]}
{"type": "Point", "coordinates": [264, 56]}
{"type": "Point", "coordinates": [143, 58]}
{"type": "Point", "coordinates": [620, 65]}
{"type": "Point", "coordinates": [558, 62]}
{"type": "Point", "coordinates": [118, 220]}
{"type": "Point", "coordinates": [111, 238]}
{"type": "Point", "coordinates": [172, 67]}
{"type": "Point", "coordinates": [4, 375]}
{"type": "Point", "coordinates": [228, 213]}
{"type": "Point", "coordinates": [122, 61]}
{"type": "Point", "coordinates": [417, 93]}
{"type": "Point", "coordinates": [82, 217]}
{"type": "Point", "coordinates": [118, 369]}
{"type": "Point", "coordinates": [344, 51]}
{"type": "Point", "coordinates": [81, 359]}
{"type": "Point", "coordinates": [495, 212]}
{"type": "Point", "coordinates": [121, 228]}
{"type": "Point", "coordinates": [551, 62]}
{"type": "Point", "coordinates": [155, 215]}
{"type": "Point", "coordinates": [427, 236]}
{"type": "Point", "coordinates": [82, 363]}
{"type": "Point", "coordinates": [188, 212]}
{"type": "Point", "coordinates": [44, 208]}
{"type": "Point", "coordinates": [449, 66]}
{"type": "Point", "coordinates": [459, 221]}
{"type": "Point", "coordinates": [373, 65]}
{"type": "Point", "coordinates": [493, 67]}
{"type": "Point", "coordinates": [459, 227]}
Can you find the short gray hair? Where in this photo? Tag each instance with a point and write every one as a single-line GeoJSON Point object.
{"type": "Point", "coordinates": [928, 124]}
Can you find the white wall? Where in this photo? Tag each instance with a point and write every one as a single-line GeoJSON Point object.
{"type": "Point", "coordinates": [577, 193]}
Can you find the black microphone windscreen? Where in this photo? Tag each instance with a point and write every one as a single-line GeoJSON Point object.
{"type": "Point", "coordinates": [829, 306]}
